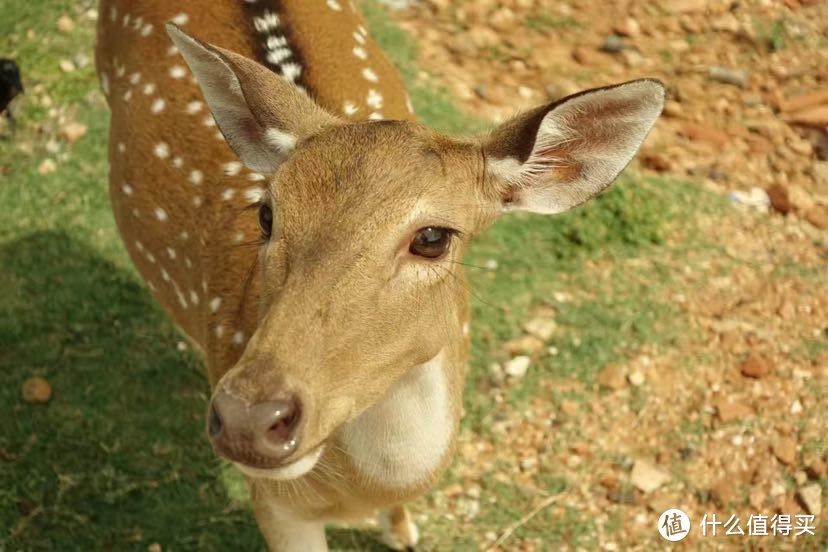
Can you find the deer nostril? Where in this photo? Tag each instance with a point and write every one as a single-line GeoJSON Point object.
{"type": "Point", "coordinates": [282, 430]}
{"type": "Point", "coordinates": [213, 422]}
{"type": "Point", "coordinates": [280, 435]}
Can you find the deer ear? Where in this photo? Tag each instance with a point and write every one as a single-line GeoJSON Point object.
{"type": "Point", "coordinates": [558, 156]}
{"type": "Point", "coordinates": [261, 115]}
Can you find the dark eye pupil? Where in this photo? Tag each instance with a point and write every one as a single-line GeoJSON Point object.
{"type": "Point", "coordinates": [265, 220]}
{"type": "Point", "coordinates": [430, 242]}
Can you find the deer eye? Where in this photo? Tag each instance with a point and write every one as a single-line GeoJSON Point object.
{"type": "Point", "coordinates": [265, 220]}
{"type": "Point", "coordinates": [431, 242]}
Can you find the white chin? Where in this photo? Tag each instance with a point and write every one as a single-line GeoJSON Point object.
{"type": "Point", "coordinates": [293, 470]}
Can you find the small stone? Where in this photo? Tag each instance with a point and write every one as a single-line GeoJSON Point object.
{"type": "Point", "coordinates": [726, 23]}
{"type": "Point", "coordinates": [490, 264]}
{"type": "Point", "coordinates": [586, 56]}
{"type": "Point", "coordinates": [727, 411]}
{"type": "Point", "coordinates": [36, 390]}
{"type": "Point", "coordinates": [73, 131]}
{"type": "Point", "coordinates": [569, 407]}
{"type": "Point", "coordinates": [736, 77]}
{"type": "Point", "coordinates": [629, 27]}
{"type": "Point", "coordinates": [785, 450]}
{"type": "Point", "coordinates": [703, 133]}
{"type": "Point", "coordinates": [181, 346]}
{"type": "Point", "coordinates": [818, 216]}
{"type": "Point", "coordinates": [542, 328]}
{"type": "Point", "coordinates": [47, 166]}
{"type": "Point", "coordinates": [811, 498]}
{"type": "Point", "coordinates": [755, 366]}
{"type": "Point", "coordinates": [796, 407]}
{"type": "Point", "coordinates": [636, 378]}
{"type": "Point", "coordinates": [800, 477]}
{"type": "Point", "coordinates": [154, 547]}
{"type": "Point", "coordinates": [612, 377]}
{"type": "Point", "coordinates": [503, 19]}
{"type": "Point", "coordinates": [613, 44]}
{"type": "Point", "coordinates": [815, 465]}
{"type": "Point", "coordinates": [779, 200]}
{"type": "Point", "coordinates": [526, 345]}
{"type": "Point", "coordinates": [81, 60]}
{"type": "Point", "coordinates": [656, 162]}
{"type": "Point", "coordinates": [496, 371]}
{"type": "Point", "coordinates": [646, 477]}
{"type": "Point", "coordinates": [517, 366]}
{"type": "Point", "coordinates": [481, 92]}
{"type": "Point", "coordinates": [66, 65]}
{"type": "Point", "coordinates": [672, 108]}
{"type": "Point", "coordinates": [529, 463]}
{"type": "Point", "coordinates": [65, 24]}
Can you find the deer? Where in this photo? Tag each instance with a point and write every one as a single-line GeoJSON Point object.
{"type": "Point", "coordinates": [274, 190]}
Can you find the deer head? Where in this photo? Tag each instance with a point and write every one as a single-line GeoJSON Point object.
{"type": "Point", "coordinates": [364, 227]}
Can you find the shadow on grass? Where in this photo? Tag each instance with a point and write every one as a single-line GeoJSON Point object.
{"type": "Point", "coordinates": [117, 459]}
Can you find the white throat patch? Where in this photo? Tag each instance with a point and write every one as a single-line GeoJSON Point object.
{"type": "Point", "coordinates": [402, 439]}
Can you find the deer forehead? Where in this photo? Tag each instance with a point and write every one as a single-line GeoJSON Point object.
{"type": "Point", "coordinates": [374, 174]}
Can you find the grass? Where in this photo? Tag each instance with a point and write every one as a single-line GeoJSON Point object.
{"type": "Point", "coordinates": [545, 22]}
{"type": "Point", "coordinates": [117, 459]}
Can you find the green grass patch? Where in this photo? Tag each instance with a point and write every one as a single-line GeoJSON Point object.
{"type": "Point", "coordinates": [545, 22]}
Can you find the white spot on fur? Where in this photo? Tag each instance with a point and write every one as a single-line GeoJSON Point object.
{"type": "Point", "coordinates": [172, 50]}
{"type": "Point", "coordinates": [193, 296]}
{"type": "Point", "coordinates": [334, 5]}
{"type": "Point", "coordinates": [165, 275]}
{"type": "Point", "coordinates": [177, 71]}
{"type": "Point", "coordinates": [238, 237]}
{"type": "Point", "coordinates": [146, 30]}
{"type": "Point", "coordinates": [362, 30]}
{"type": "Point", "coordinates": [161, 214]}
{"type": "Point", "coordinates": [238, 338]}
{"type": "Point", "coordinates": [228, 194]}
{"type": "Point", "coordinates": [359, 38]}
{"type": "Point", "coordinates": [349, 108]}
{"type": "Point", "coordinates": [369, 75]}
{"type": "Point", "coordinates": [198, 201]}
{"type": "Point", "coordinates": [232, 168]}
{"type": "Point", "coordinates": [376, 116]}
{"type": "Point", "coordinates": [291, 71]}
{"type": "Point", "coordinates": [135, 78]}
{"type": "Point", "coordinates": [162, 150]}
{"type": "Point", "coordinates": [180, 19]}
{"type": "Point", "coordinates": [416, 423]}
{"type": "Point", "coordinates": [128, 95]}
{"type": "Point", "coordinates": [150, 257]}
{"type": "Point", "coordinates": [209, 121]}
{"type": "Point", "coordinates": [139, 246]}
{"type": "Point", "coordinates": [253, 195]}
{"type": "Point", "coordinates": [278, 55]}
{"type": "Point", "coordinates": [274, 42]}
{"type": "Point", "coordinates": [105, 83]}
{"type": "Point", "coordinates": [121, 147]}
{"type": "Point", "coordinates": [215, 303]}
{"type": "Point", "coordinates": [267, 22]}
{"type": "Point", "coordinates": [219, 331]}
{"type": "Point", "coordinates": [408, 104]}
{"type": "Point", "coordinates": [177, 162]}
{"type": "Point", "coordinates": [135, 212]}
{"type": "Point", "coordinates": [158, 106]}
{"type": "Point", "coordinates": [360, 52]}
{"type": "Point", "coordinates": [184, 235]}
{"type": "Point", "coordinates": [374, 99]}
{"type": "Point", "coordinates": [127, 189]}
{"type": "Point", "coordinates": [194, 107]}
{"type": "Point", "coordinates": [148, 89]}
{"type": "Point", "coordinates": [188, 263]}
{"type": "Point", "coordinates": [255, 177]}
{"type": "Point", "coordinates": [171, 253]}
{"type": "Point", "coordinates": [280, 140]}
{"type": "Point", "coordinates": [196, 177]}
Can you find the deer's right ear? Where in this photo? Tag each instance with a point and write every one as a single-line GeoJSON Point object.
{"type": "Point", "coordinates": [261, 115]}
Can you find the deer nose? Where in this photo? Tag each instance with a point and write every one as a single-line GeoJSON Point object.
{"type": "Point", "coordinates": [260, 434]}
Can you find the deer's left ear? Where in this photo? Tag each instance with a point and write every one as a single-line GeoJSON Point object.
{"type": "Point", "coordinates": [560, 155]}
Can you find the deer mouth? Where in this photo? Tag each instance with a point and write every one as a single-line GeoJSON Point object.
{"type": "Point", "coordinates": [293, 470]}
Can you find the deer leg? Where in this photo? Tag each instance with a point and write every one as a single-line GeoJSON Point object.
{"type": "Point", "coordinates": [398, 529]}
{"type": "Point", "coordinates": [284, 533]}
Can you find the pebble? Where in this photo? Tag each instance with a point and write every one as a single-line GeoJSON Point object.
{"type": "Point", "coordinates": [490, 264]}
{"type": "Point", "coordinates": [636, 378]}
{"type": "Point", "coordinates": [47, 166]}
{"type": "Point", "coordinates": [154, 547]}
{"type": "Point", "coordinates": [672, 108]}
{"type": "Point", "coordinates": [780, 202]}
{"type": "Point", "coordinates": [81, 60]}
{"type": "Point", "coordinates": [736, 77]}
{"type": "Point", "coordinates": [73, 131]}
{"type": "Point", "coordinates": [526, 345]}
{"type": "Point", "coordinates": [65, 24]}
{"type": "Point", "coordinates": [542, 328]}
{"type": "Point", "coordinates": [66, 65]}
{"type": "Point", "coordinates": [586, 56]}
{"type": "Point", "coordinates": [646, 477]}
{"type": "Point", "coordinates": [727, 411]}
{"type": "Point", "coordinates": [811, 497]}
{"type": "Point", "coordinates": [613, 44]}
{"type": "Point", "coordinates": [629, 27]}
{"type": "Point", "coordinates": [36, 390]}
{"type": "Point", "coordinates": [517, 366]}
{"type": "Point", "coordinates": [785, 450]}
{"type": "Point", "coordinates": [612, 377]}
{"type": "Point", "coordinates": [755, 366]}
{"type": "Point", "coordinates": [796, 407]}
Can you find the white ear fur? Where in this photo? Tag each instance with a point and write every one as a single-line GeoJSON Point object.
{"type": "Point", "coordinates": [580, 147]}
{"type": "Point", "coordinates": [257, 147]}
